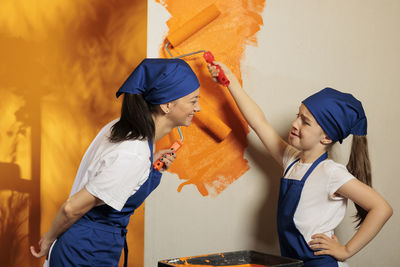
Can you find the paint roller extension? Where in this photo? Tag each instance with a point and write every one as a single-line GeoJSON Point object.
{"type": "Point", "coordinates": [192, 26]}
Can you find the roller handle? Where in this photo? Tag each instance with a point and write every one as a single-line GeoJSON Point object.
{"type": "Point", "coordinates": [158, 165]}
{"type": "Point", "coordinates": [209, 57]}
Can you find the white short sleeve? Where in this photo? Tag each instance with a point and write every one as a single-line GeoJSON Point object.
{"type": "Point", "coordinates": [290, 155]}
{"type": "Point", "coordinates": [338, 176]}
{"type": "Point", "coordinates": [120, 172]}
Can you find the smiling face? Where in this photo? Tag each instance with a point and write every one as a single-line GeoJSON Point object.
{"type": "Point", "coordinates": [305, 133]}
{"type": "Point", "coordinates": [183, 109]}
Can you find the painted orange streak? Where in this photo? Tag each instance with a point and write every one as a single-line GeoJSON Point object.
{"type": "Point", "coordinates": [202, 161]}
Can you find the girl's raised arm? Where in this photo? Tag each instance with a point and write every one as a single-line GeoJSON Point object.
{"type": "Point", "coordinates": [253, 114]}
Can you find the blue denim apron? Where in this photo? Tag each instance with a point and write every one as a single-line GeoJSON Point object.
{"type": "Point", "coordinates": [97, 239]}
{"type": "Point", "coordinates": [292, 242]}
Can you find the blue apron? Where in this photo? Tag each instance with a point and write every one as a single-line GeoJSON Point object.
{"type": "Point", "coordinates": [97, 239]}
{"type": "Point", "coordinates": [292, 242]}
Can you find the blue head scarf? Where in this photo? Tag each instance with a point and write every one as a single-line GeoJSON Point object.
{"type": "Point", "coordinates": [161, 80]}
{"type": "Point", "coordinates": [339, 114]}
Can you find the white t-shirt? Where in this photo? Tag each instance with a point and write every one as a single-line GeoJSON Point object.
{"type": "Point", "coordinates": [319, 209]}
{"type": "Point", "coordinates": [113, 172]}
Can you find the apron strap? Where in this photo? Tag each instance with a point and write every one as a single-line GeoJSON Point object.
{"type": "Point", "coordinates": [314, 165]}
{"type": "Point", "coordinates": [290, 166]}
{"type": "Point", "coordinates": [125, 253]}
{"type": "Point", "coordinates": [101, 226]}
{"type": "Point", "coordinates": [151, 152]}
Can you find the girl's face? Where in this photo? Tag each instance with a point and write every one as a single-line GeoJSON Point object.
{"type": "Point", "coordinates": [184, 108]}
{"type": "Point", "coordinates": [306, 133]}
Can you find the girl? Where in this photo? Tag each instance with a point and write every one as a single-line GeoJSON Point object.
{"type": "Point", "coordinates": [116, 174]}
{"type": "Point", "coordinates": [314, 189]}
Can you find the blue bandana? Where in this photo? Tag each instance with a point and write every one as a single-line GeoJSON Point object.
{"type": "Point", "coordinates": [339, 114]}
{"type": "Point", "coordinates": [161, 80]}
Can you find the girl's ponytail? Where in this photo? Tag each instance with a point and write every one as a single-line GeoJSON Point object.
{"type": "Point", "coordinates": [136, 120]}
{"type": "Point", "coordinates": [359, 165]}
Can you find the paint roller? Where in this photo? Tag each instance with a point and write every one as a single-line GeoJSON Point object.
{"type": "Point", "coordinates": [218, 129]}
{"type": "Point", "coordinates": [191, 27]}
{"type": "Point", "coordinates": [211, 124]}
{"type": "Point", "coordinates": [214, 126]}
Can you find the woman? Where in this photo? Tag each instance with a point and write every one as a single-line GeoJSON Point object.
{"type": "Point", "coordinates": [116, 174]}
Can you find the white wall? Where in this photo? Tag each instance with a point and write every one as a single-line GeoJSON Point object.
{"type": "Point", "coordinates": [305, 45]}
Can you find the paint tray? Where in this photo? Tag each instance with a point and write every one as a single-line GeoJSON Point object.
{"type": "Point", "coordinates": [231, 259]}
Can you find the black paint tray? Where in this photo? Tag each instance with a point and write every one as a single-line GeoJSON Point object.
{"type": "Point", "coordinates": [231, 259]}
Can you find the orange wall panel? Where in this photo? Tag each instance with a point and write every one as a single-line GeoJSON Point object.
{"type": "Point", "coordinates": [61, 63]}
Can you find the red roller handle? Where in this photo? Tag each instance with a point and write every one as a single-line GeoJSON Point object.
{"type": "Point", "coordinates": [209, 57]}
{"type": "Point", "coordinates": [175, 146]}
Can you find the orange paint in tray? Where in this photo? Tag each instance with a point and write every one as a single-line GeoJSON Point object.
{"type": "Point", "coordinates": [241, 265]}
{"type": "Point", "coordinates": [209, 163]}
{"type": "Point", "coordinates": [245, 258]}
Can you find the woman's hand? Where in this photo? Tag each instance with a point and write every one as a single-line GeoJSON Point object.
{"type": "Point", "coordinates": [71, 210]}
{"type": "Point", "coordinates": [44, 247]}
{"type": "Point", "coordinates": [329, 246]}
{"type": "Point", "coordinates": [166, 155]}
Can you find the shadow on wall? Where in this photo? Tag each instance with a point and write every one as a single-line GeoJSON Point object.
{"type": "Point", "coordinates": [13, 232]}
{"type": "Point", "coordinates": [61, 62]}
{"type": "Point", "coordinates": [265, 231]}
{"type": "Point", "coordinates": [19, 197]}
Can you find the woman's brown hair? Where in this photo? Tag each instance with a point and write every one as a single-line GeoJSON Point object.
{"type": "Point", "coordinates": [359, 165]}
{"type": "Point", "coordinates": [136, 121]}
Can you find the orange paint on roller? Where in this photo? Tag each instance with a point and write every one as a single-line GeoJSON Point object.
{"type": "Point", "coordinates": [193, 25]}
{"type": "Point", "coordinates": [210, 123]}
{"type": "Point", "coordinates": [209, 165]}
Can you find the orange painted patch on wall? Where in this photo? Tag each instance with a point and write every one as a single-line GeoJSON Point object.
{"type": "Point", "coordinates": [204, 161]}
